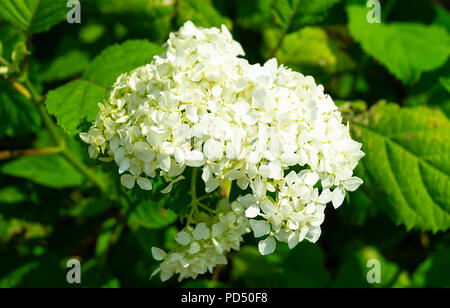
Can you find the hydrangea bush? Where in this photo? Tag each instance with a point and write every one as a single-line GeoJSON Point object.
{"type": "Point", "coordinates": [200, 105]}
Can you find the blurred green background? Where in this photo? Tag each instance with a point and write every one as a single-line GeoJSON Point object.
{"type": "Point", "coordinates": [57, 204]}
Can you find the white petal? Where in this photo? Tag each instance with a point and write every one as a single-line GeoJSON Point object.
{"type": "Point", "coordinates": [260, 227]}
{"type": "Point", "coordinates": [194, 158]}
{"type": "Point", "coordinates": [338, 197]}
{"type": "Point", "coordinates": [293, 239]}
{"type": "Point", "coordinates": [267, 246]}
{"type": "Point", "coordinates": [124, 165]}
{"type": "Point", "coordinates": [164, 162]}
{"type": "Point", "coordinates": [158, 254]}
{"type": "Point", "coordinates": [128, 180]}
{"type": "Point", "coordinates": [352, 183]}
{"type": "Point", "coordinates": [201, 232]}
{"type": "Point", "coordinates": [183, 238]}
{"type": "Point", "coordinates": [194, 248]}
{"type": "Point", "coordinates": [325, 196]}
{"type": "Point", "coordinates": [258, 187]}
{"type": "Point", "coordinates": [144, 183]}
{"type": "Point", "coordinates": [212, 185]}
{"type": "Point", "coordinates": [252, 211]}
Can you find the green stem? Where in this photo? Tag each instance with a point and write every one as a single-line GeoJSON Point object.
{"type": "Point", "coordinates": [194, 201]}
{"type": "Point", "coordinates": [211, 211]}
{"type": "Point", "coordinates": [194, 185]}
{"type": "Point", "coordinates": [83, 169]}
{"type": "Point", "coordinates": [58, 140]}
{"type": "Point", "coordinates": [4, 61]}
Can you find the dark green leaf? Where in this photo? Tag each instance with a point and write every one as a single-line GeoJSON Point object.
{"type": "Point", "coordinates": [407, 160]}
{"type": "Point", "coordinates": [406, 49]}
{"type": "Point", "coordinates": [33, 15]}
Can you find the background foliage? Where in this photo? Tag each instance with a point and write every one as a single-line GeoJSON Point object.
{"type": "Point", "coordinates": [391, 80]}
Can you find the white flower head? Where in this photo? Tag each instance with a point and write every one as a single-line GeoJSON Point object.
{"type": "Point", "coordinates": [201, 105]}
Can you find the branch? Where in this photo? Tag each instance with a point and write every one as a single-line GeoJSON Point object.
{"type": "Point", "coordinates": [28, 152]}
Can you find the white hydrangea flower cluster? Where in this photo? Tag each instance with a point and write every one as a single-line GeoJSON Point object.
{"type": "Point", "coordinates": [200, 105]}
{"type": "Point", "coordinates": [200, 248]}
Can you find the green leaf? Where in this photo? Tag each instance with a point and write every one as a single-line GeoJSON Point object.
{"type": "Point", "coordinates": [307, 49]}
{"type": "Point", "coordinates": [17, 115]}
{"type": "Point", "coordinates": [442, 16]}
{"type": "Point", "coordinates": [407, 163]}
{"type": "Point", "coordinates": [434, 272]}
{"type": "Point", "coordinates": [291, 15]}
{"type": "Point", "coordinates": [356, 268]}
{"type": "Point", "coordinates": [405, 49]}
{"type": "Point", "coordinates": [301, 267]}
{"type": "Point", "coordinates": [33, 15]}
{"type": "Point", "coordinates": [65, 66]}
{"type": "Point", "coordinates": [151, 215]}
{"type": "Point", "coordinates": [446, 83]}
{"type": "Point", "coordinates": [50, 170]}
{"type": "Point", "coordinates": [201, 12]}
{"type": "Point", "coordinates": [78, 101]}
{"type": "Point", "coordinates": [253, 14]}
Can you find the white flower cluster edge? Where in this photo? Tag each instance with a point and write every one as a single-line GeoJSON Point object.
{"type": "Point", "coordinates": [200, 105]}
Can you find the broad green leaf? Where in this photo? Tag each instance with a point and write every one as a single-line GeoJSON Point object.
{"type": "Point", "coordinates": [151, 215]}
{"type": "Point", "coordinates": [407, 163]}
{"type": "Point", "coordinates": [442, 16]}
{"type": "Point", "coordinates": [50, 170]}
{"type": "Point", "coordinates": [154, 8]}
{"type": "Point", "coordinates": [406, 49]}
{"type": "Point", "coordinates": [151, 19]}
{"type": "Point", "coordinates": [308, 49]}
{"type": "Point", "coordinates": [201, 12]}
{"type": "Point", "coordinates": [253, 14]}
{"type": "Point", "coordinates": [33, 15]}
{"type": "Point", "coordinates": [17, 115]}
{"type": "Point", "coordinates": [66, 66]}
{"type": "Point", "coordinates": [358, 267]}
{"type": "Point", "coordinates": [446, 83]}
{"type": "Point", "coordinates": [291, 15]}
{"type": "Point", "coordinates": [301, 267]}
{"type": "Point", "coordinates": [74, 103]}
{"type": "Point", "coordinates": [434, 272]}
{"type": "Point", "coordinates": [78, 101]}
